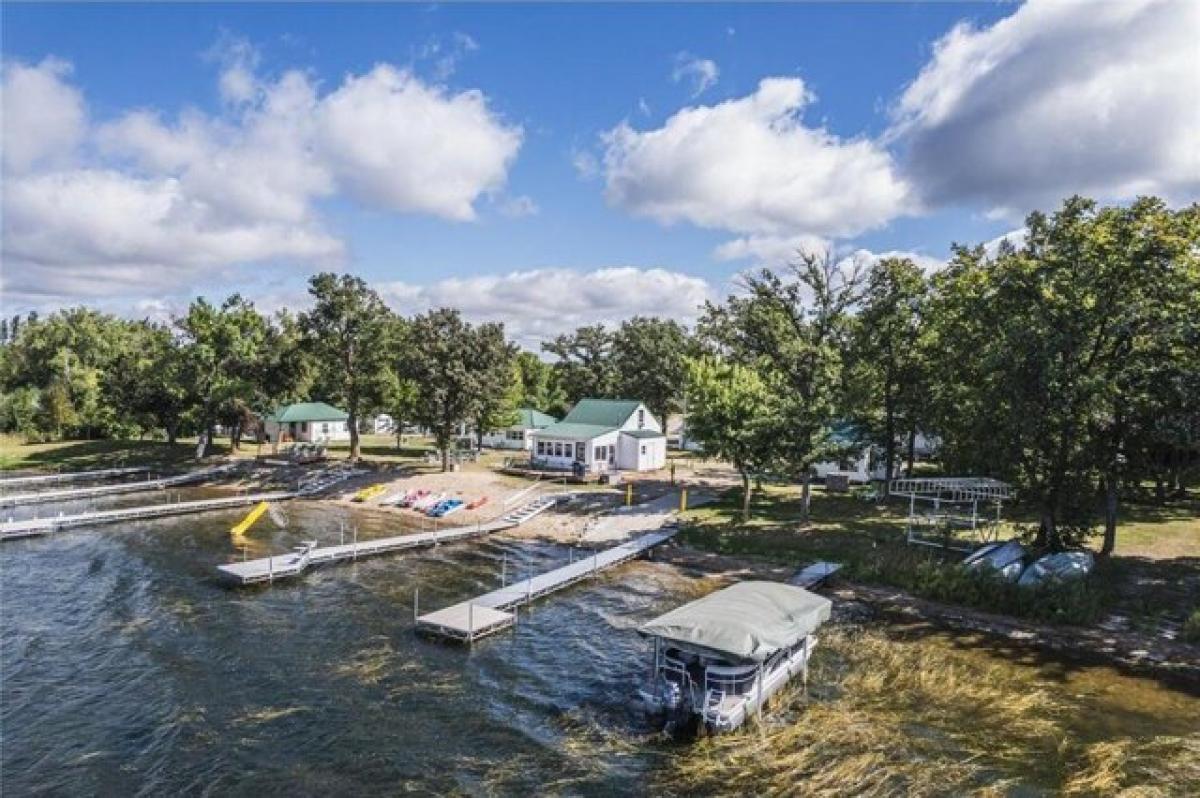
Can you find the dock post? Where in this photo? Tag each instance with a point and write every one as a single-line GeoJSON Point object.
{"type": "Point", "coordinates": [341, 531]}
{"type": "Point", "coordinates": [504, 570]}
{"type": "Point", "coordinates": [270, 570]}
{"type": "Point", "coordinates": [595, 563]}
{"type": "Point", "coordinates": [471, 621]}
{"type": "Point", "coordinates": [416, 603]}
{"type": "Point", "coordinates": [356, 542]}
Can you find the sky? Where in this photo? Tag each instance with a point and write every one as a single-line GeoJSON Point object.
{"type": "Point", "coordinates": [550, 165]}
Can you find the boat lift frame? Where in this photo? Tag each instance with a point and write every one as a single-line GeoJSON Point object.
{"type": "Point", "coordinates": [950, 498]}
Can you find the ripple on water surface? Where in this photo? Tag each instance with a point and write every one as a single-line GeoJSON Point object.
{"type": "Point", "coordinates": [129, 669]}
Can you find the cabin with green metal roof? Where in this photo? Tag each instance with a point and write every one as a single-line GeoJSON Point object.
{"type": "Point", "coordinates": [601, 435]}
{"type": "Point", "coordinates": [519, 435]}
{"type": "Point", "coordinates": [306, 422]}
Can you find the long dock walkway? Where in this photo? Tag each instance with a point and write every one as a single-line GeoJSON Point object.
{"type": "Point", "coordinates": [32, 527]}
{"type": "Point", "coordinates": [489, 613]}
{"type": "Point", "coordinates": [72, 476]}
{"type": "Point", "coordinates": [285, 566]}
{"type": "Point", "coordinates": [75, 494]}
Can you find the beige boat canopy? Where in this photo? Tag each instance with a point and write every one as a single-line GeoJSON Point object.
{"type": "Point", "coordinates": [747, 621]}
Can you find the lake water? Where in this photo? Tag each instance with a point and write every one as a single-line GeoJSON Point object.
{"type": "Point", "coordinates": [129, 669]}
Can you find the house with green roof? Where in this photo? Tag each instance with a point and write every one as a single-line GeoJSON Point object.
{"type": "Point", "coordinates": [308, 422]}
{"type": "Point", "coordinates": [601, 435]}
{"type": "Point", "coordinates": [520, 434]}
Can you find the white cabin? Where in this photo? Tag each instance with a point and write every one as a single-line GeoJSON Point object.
{"type": "Point", "coordinates": [601, 435]}
{"type": "Point", "coordinates": [519, 435]}
{"type": "Point", "coordinates": [307, 422]}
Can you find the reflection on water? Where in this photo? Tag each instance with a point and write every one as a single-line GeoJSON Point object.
{"type": "Point", "coordinates": [129, 669]}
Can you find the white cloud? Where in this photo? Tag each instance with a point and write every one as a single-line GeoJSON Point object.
{"type": "Point", "coordinates": [751, 166]}
{"type": "Point", "coordinates": [769, 250]}
{"type": "Point", "coordinates": [585, 164]}
{"type": "Point", "coordinates": [538, 304]}
{"type": "Point", "coordinates": [400, 144]}
{"type": "Point", "coordinates": [1100, 98]}
{"type": "Point", "coordinates": [44, 117]}
{"type": "Point", "coordinates": [867, 258]}
{"type": "Point", "coordinates": [158, 204]}
{"type": "Point", "coordinates": [702, 73]}
{"type": "Point", "coordinates": [518, 207]}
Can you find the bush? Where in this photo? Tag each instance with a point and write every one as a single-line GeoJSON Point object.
{"type": "Point", "coordinates": [924, 574]}
{"type": "Point", "coordinates": [1191, 627]}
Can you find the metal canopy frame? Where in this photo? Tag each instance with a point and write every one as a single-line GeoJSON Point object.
{"type": "Point", "coordinates": [951, 497]}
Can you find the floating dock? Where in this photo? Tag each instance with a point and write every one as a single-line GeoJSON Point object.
{"type": "Point", "coordinates": [286, 566]}
{"type": "Point", "coordinates": [32, 527]}
{"type": "Point", "coordinates": [76, 494]}
{"type": "Point", "coordinates": [72, 476]}
{"type": "Point", "coordinates": [490, 613]}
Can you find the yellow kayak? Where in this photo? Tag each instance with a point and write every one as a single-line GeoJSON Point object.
{"type": "Point", "coordinates": [369, 492]}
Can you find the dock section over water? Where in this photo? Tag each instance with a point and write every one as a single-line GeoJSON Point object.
{"type": "Point", "coordinates": [76, 494]}
{"type": "Point", "coordinates": [32, 527]}
{"type": "Point", "coordinates": [489, 613]}
{"type": "Point", "coordinates": [285, 566]}
{"type": "Point", "coordinates": [71, 476]}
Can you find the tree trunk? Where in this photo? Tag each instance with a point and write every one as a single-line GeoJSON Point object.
{"type": "Point", "coordinates": [445, 447]}
{"type": "Point", "coordinates": [1111, 491]}
{"type": "Point", "coordinates": [889, 446]}
{"type": "Point", "coordinates": [235, 436]}
{"type": "Point", "coordinates": [352, 421]}
{"type": "Point", "coordinates": [912, 451]}
{"type": "Point", "coordinates": [745, 494]}
{"type": "Point", "coordinates": [806, 496]}
{"type": "Point", "coordinates": [1047, 534]}
{"type": "Point", "coordinates": [172, 432]}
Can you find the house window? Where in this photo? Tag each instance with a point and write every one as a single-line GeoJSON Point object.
{"type": "Point", "coordinates": [641, 418]}
{"type": "Point", "coordinates": [541, 447]}
{"type": "Point", "coordinates": [580, 450]}
{"type": "Point", "coordinates": [304, 426]}
{"type": "Point", "coordinates": [643, 448]}
{"type": "Point", "coordinates": [516, 435]}
{"type": "Point", "coordinates": [600, 454]}
{"type": "Point", "coordinates": [325, 428]}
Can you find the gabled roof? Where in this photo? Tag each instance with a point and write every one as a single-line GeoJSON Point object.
{"type": "Point", "coordinates": [307, 411]}
{"type": "Point", "coordinates": [746, 621]}
{"type": "Point", "coordinates": [528, 418]}
{"type": "Point", "coordinates": [590, 418]}
{"type": "Point", "coordinates": [610, 413]}
{"type": "Point", "coordinates": [573, 432]}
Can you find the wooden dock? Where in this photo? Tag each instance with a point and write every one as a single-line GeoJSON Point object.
{"type": "Point", "coordinates": [76, 494]}
{"type": "Point", "coordinates": [285, 566]}
{"type": "Point", "coordinates": [71, 476]}
{"type": "Point", "coordinates": [484, 615]}
{"type": "Point", "coordinates": [32, 527]}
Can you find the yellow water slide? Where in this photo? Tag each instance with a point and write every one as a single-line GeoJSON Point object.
{"type": "Point", "coordinates": [250, 518]}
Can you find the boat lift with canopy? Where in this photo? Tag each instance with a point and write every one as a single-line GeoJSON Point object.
{"type": "Point", "coordinates": [722, 656]}
{"type": "Point", "coordinates": [938, 507]}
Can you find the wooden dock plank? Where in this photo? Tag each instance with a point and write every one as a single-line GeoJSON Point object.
{"type": "Point", "coordinates": [483, 615]}
{"type": "Point", "coordinates": [32, 527]}
{"type": "Point", "coordinates": [75, 494]}
{"type": "Point", "coordinates": [271, 569]}
{"type": "Point", "coordinates": [72, 476]}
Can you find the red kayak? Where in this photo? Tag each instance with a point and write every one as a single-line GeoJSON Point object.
{"type": "Point", "coordinates": [482, 500]}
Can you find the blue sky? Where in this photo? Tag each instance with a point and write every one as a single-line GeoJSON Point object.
{"type": "Point", "coordinates": [552, 84]}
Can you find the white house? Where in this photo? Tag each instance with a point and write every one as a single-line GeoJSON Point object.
{"type": "Point", "coordinates": [519, 435]}
{"type": "Point", "coordinates": [308, 422]}
{"type": "Point", "coordinates": [602, 435]}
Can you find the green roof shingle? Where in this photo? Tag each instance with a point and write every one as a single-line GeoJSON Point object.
{"type": "Point", "coordinates": [308, 411]}
{"type": "Point", "coordinates": [610, 413]}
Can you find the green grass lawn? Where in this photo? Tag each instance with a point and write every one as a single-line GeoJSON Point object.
{"type": "Point", "coordinates": [15, 453]}
{"type": "Point", "coordinates": [869, 541]}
